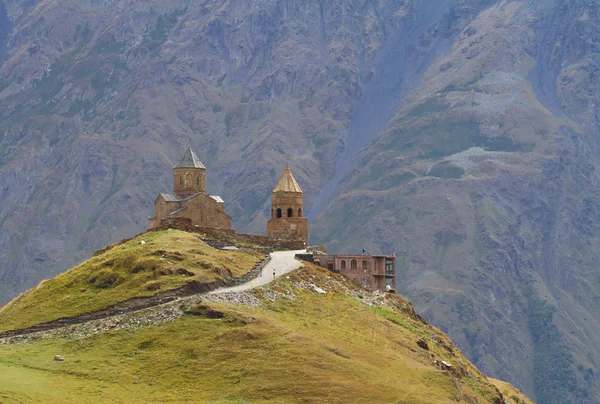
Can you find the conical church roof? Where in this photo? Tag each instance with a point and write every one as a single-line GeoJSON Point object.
{"type": "Point", "coordinates": [189, 160]}
{"type": "Point", "coordinates": [287, 183]}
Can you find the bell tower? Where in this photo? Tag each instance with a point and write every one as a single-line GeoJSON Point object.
{"type": "Point", "coordinates": [287, 220]}
{"type": "Point", "coordinates": [189, 175]}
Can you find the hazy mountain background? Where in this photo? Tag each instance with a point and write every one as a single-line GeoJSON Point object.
{"type": "Point", "coordinates": [460, 134]}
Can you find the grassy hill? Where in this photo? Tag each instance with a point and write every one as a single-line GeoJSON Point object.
{"type": "Point", "coordinates": [293, 345]}
{"type": "Point", "coordinates": [462, 133]}
{"type": "Point", "coordinates": [143, 266]}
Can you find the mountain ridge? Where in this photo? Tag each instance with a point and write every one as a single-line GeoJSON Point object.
{"type": "Point", "coordinates": [483, 181]}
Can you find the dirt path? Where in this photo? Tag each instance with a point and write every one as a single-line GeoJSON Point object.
{"type": "Point", "coordinates": [281, 263]}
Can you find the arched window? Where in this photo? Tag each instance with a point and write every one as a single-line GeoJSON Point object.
{"type": "Point", "coordinates": [299, 212]}
{"type": "Point", "coordinates": [278, 213]}
{"type": "Point", "coordinates": [198, 181]}
{"type": "Point", "coordinates": [343, 264]}
{"type": "Point", "coordinates": [290, 212]}
{"type": "Point", "coordinates": [180, 180]}
{"type": "Point", "coordinates": [365, 265]}
{"type": "Point", "coordinates": [353, 264]}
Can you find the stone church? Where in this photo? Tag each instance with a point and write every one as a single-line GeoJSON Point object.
{"type": "Point", "coordinates": [189, 199]}
{"type": "Point", "coordinates": [287, 222]}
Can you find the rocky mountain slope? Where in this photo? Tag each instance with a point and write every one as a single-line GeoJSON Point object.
{"type": "Point", "coordinates": [461, 132]}
{"type": "Point", "coordinates": [309, 336]}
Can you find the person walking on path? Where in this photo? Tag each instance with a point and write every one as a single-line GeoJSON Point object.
{"type": "Point", "coordinates": [281, 262]}
{"type": "Point", "coordinates": [260, 273]}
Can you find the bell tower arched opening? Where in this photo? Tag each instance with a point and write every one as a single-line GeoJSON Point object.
{"type": "Point", "coordinates": [287, 223]}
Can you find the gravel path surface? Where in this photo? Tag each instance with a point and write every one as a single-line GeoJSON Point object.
{"type": "Point", "coordinates": [281, 263]}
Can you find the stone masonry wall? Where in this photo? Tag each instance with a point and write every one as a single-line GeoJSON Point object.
{"type": "Point", "coordinates": [285, 201]}
{"type": "Point", "coordinates": [230, 235]}
{"type": "Point", "coordinates": [288, 229]}
{"type": "Point", "coordinates": [205, 212]}
{"type": "Point", "coordinates": [189, 180]}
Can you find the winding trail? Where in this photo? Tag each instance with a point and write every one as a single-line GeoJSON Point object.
{"type": "Point", "coordinates": [281, 263]}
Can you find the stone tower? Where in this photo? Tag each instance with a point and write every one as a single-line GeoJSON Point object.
{"type": "Point", "coordinates": [287, 222]}
{"type": "Point", "coordinates": [189, 175]}
{"type": "Point", "coordinates": [189, 200]}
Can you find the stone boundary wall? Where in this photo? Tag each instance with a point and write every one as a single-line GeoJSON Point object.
{"type": "Point", "coordinates": [220, 244]}
{"type": "Point", "coordinates": [253, 273]}
{"type": "Point", "coordinates": [317, 249]}
{"type": "Point", "coordinates": [306, 257]}
{"type": "Point", "coordinates": [227, 234]}
{"type": "Point", "coordinates": [140, 303]}
{"type": "Point", "coordinates": [217, 238]}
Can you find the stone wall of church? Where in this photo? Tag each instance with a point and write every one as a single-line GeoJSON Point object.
{"type": "Point", "coordinates": [206, 212]}
{"type": "Point", "coordinates": [189, 180]}
{"type": "Point", "coordinates": [162, 208]}
{"type": "Point", "coordinates": [288, 229]}
{"type": "Point", "coordinates": [288, 202]}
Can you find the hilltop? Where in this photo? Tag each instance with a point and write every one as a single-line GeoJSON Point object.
{"type": "Point", "coordinates": [123, 275]}
{"type": "Point", "coordinates": [309, 336]}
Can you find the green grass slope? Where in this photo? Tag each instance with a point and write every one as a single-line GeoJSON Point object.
{"type": "Point", "coordinates": [296, 346]}
{"type": "Point", "coordinates": [167, 260]}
